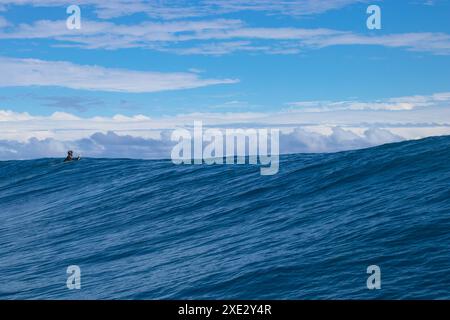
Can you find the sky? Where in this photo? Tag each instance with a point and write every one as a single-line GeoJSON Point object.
{"type": "Point", "coordinates": [137, 69]}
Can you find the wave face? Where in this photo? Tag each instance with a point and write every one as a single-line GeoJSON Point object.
{"type": "Point", "coordinates": [152, 230]}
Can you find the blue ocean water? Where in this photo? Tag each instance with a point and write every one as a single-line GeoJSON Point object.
{"type": "Point", "coordinates": [152, 230]}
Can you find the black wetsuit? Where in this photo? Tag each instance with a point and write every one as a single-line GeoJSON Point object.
{"type": "Point", "coordinates": [69, 158]}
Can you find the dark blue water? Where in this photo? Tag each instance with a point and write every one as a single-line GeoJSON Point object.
{"type": "Point", "coordinates": [153, 230]}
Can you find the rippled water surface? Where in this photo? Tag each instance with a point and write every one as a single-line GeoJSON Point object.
{"type": "Point", "coordinates": [152, 230]}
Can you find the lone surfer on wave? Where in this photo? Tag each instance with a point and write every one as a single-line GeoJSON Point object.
{"type": "Point", "coordinates": [70, 156]}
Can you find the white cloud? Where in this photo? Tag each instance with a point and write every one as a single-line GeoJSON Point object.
{"type": "Point", "coordinates": [181, 9]}
{"type": "Point", "coordinates": [220, 36]}
{"type": "Point", "coordinates": [437, 42]}
{"type": "Point", "coordinates": [113, 145]}
{"type": "Point", "coordinates": [306, 141]}
{"type": "Point", "coordinates": [8, 115]}
{"type": "Point", "coordinates": [26, 136]}
{"type": "Point", "coordinates": [392, 104]}
{"type": "Point", "coordinates": [33, 72]}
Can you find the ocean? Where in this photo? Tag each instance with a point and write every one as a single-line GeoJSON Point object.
{"type": "Point", "coordinates": [148, 229]}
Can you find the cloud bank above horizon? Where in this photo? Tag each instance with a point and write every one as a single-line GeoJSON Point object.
{"type": "Point", "coordinates": [26, 136]}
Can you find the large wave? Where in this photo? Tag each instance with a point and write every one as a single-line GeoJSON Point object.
{"type": "Point", "coordinates": [143, 229]}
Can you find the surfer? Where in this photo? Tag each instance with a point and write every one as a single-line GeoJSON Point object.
{"type": "Point", "coordinates": [70, 156]}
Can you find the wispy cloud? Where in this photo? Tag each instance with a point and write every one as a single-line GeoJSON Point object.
{"type": "Point", "coordinates": [33, 72]}
{"type": "Point", "coordinates": [437, 43]}
{"type": "Point", "coordinates": [391, 104]}
{"type": "Point", "coordinates": [217, 37]}
{"type": "Point", "coordinates": [80, 104]}
{"type": "Point", "coordinates": [182, 9]}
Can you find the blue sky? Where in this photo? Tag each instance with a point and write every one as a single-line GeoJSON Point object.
{"type": "Point", "coordinates": [300, 61]}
